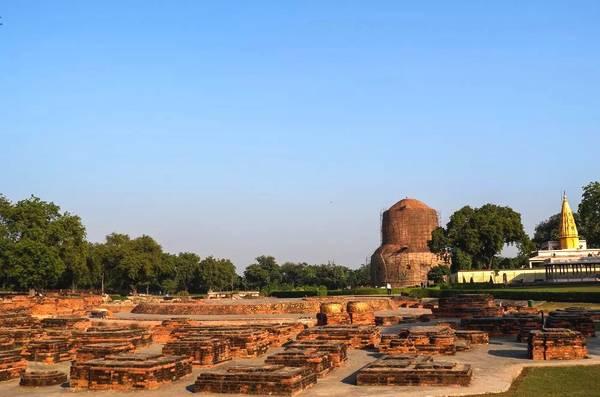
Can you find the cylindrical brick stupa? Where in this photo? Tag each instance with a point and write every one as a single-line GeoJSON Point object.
{"type": "Point", "coordinates": [404, 257]}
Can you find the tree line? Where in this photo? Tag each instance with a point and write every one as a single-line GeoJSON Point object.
{"type": "Point", "coordinates": [42, 247]}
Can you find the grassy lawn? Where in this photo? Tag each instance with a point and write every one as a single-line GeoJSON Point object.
{"type": "Point", "coordinates": [549, 306]}
{"type": "Point", "coordinates": [576, 381]}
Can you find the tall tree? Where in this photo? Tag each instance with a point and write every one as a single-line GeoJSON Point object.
{"type": "Point", "coordinates": [476, 236]}
{"type": "Point", "coordinates": [187, 265]}
{"type": "Point", "coordinates": [217, 274]}
{"type": "Point", "coordinates": [264, 273]}
{"type": "Point", "coordinates": [130, 264]}
{"type": "Point", "coordinates": [41, 245]}
{"type": "Point", "coordinates": [589, 213]}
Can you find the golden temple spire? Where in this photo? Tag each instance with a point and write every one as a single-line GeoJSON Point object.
{"type": "Point", "coordinates": [569, 239]}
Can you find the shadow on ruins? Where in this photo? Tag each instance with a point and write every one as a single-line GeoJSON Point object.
{"type": "Point", "coordinates": [509, 353]}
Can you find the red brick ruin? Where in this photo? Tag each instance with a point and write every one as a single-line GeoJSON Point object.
{"type": "Point", "coordinates": [423, 340]}
{"type": "Point", "coordinates": [43, 378]}
{"type": "Point", "coordinates": [412, 370]}
{"type": "Point", "coordinates": [468, 306]}
{"type": "Point", "coordinates": [263, 380]}
{"type": "Point", "coordinates": [404, 259]}
{"type": "Point", "coordinates": [556, 344]}
{"type": "Point", "coordinates": [129, 371]}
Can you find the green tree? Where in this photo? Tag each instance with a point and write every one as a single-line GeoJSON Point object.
{"type": "Point", "coordinates": [41, 246]}
{"type": "Point", "coordinates": [476, 235]}
{"type": "Point", "coordinates": [217, 274]}
{"type": "Point", "coordinates": [33, 264]}
{"type": "Point", "coordinates": [589, 214]}
{"type": "Point", "coordinates": [360, 277]}
{"type": "Point", "coordinates": [264, 273]}
{"type": "Point", "coordinates": [130, 264]}
{"type": "Point", "coordinates": [187, 266]}
{"type": "Point", "coordinates": [437, 274]}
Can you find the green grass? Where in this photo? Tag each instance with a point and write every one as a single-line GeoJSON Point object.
{"type": "Point", "coordinates": [575, 381]}
{"type": "Point", "coordinates": [563, 293]}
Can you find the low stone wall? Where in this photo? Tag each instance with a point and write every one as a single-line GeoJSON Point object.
{"type": "Point", "coordinates": [424, 340]}
{"type": "Point", "coordinates": [356, 336]}
{"type": "Point", "coordinates": [204, 351]}
{"type": "Point", "coordinates": [43, 378]}
{"type": "Point", "coordinates": [263, 380]}
{"type": "Point", "coordinates": [468, 306]}
{"type": "Point", "coordinates": [576, 320]}
{"type": "Point", "coordinates": [556, 344]}
{"type": "Point", "coordinates": [318, 361]}
{"type": "Point", "coordinates": [248, 307]}
{"type": "Point", "coordinates": [413, 371]}
{"type": "Point", "coordinates": [129, 371]}
{"type": "Point", "coordinates": [337, 351]}
{"type": "Point", "coordinates": [12, 365]}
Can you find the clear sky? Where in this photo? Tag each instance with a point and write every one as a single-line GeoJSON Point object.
{"type": "Point", "coordinates": [240, 128]}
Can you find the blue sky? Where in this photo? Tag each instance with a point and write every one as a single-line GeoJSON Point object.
{"type": "Point", "coordinates": [238, 128]}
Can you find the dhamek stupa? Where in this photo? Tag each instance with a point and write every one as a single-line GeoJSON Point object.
{"type": "Point", "coordinates": [404, 259]}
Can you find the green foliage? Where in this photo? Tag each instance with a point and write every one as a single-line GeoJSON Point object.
{"type": "Point", "coordinates": [438, 274]}
{"type": "Point", "coordinates": [566, 294]}
{"type": "Point", "coordinates": [216, 275]}
{"type": "Point", "coordinates": [300, 293]}
{"type": "Point", "coordinates": [40, 247]}
{"type": "Point", "coordinates": [264, 273]}
{"type": "Point", "coordinates": [187, 266]}
{"type": "Point", "coordinates": [589, 214]}
{"type": "Point", "coordinates": [476, 235]}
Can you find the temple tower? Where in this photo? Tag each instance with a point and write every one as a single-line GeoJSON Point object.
{"type": "Point", "coordinates": [569, 239]}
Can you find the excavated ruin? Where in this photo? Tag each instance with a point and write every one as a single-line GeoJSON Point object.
{"type": "Point", "coordinates": [556, 344]}
{"type": "Point", "coordinates": [474, 337]}
{"type": "Point", "coordinates": [264, 380]}
{"type": "Point", "coordinates": [101, 350]}
{"type": "Point", "coordinates": [12, 365]}
{"type": "Point", "coordinates": [422, 340]}
{"type": "Point", "coordinates": [413, 371]}
{"type": "Point", "coordinates": [204, 351]}
{"type": "Point", "coordinates": [104, 334]}
{"type": "Point", "coordinates": [576, 320]}
{"type": "Point", "coordinates": [49, 350]}
{"type": "Point", "coordinates": [337, 351]}
{"type": "Point", "coordinates": [467, 306]}
{"type": "Point", "coordinates": [244, 341]}
{"type": "Point", "coordinates": [318, 361]}
{"type": "Point", "coordinates": [355, 336]}
{"type": "Point", "coordinates": [129, 371]}
{"type": "Point", "coordinates": [43, 378]}
{"type": "Point", "coordinates": [514, 324]}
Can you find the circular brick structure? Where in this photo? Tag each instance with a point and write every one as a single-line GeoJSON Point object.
{"type": "Point", "coordinates": [332, 308]}
{"type": "Point", "coordinates": [403, 259]}
{"type": "Point", "coordinates": [43, 378]}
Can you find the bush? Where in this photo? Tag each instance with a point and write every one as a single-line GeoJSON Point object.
{"type": "Point", "coordinates": [538, 295]}
{"type": "Point", "coordinates": [299, 293]}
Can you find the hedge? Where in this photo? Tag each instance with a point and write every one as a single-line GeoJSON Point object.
{"type": "Point", "coordinates": [298, 294]}
{"type": "Point", "coordinates": [524, 294]}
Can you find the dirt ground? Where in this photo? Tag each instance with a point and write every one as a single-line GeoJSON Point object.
{"type": "Point", "coordinates": [494, 368]}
